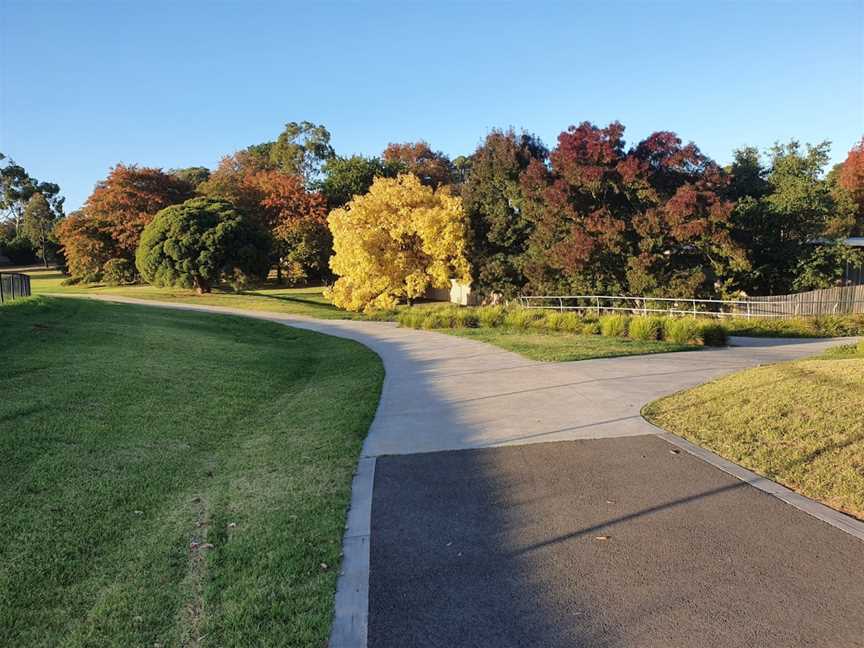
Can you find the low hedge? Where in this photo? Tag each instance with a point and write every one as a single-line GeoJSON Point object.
{"type": "Point", "coordinates": [821, 326]}
{"type": "Point", "coordinates": [683, 330]}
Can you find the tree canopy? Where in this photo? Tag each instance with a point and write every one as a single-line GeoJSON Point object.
{"type": "Point", "coordinates": [38, 224]}
{"type": "Point", "coordinates": [129, 198]}
{"type": "Point", "coordinates": [610, 220]}
{"type": "Point", "coordinates": [493, 201]}
{"type": "Point", "coordinates": [394, 242]}
{"type": "Point", "coordinates": [345, 178]}
{"type": "Point", "coordinates": [200, 243]}
{"type": "Point", "coordinates": [433, 168]}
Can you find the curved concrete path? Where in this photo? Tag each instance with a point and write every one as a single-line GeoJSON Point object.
{"type": "Point", "coordinates": [447, 393]}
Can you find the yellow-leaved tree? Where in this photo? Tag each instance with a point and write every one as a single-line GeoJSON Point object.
{"type": "Point", "coordinates": [394, 243]}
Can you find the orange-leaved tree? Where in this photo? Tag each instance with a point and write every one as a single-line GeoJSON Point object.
{"type": "Point", "coordinates": [128, 199]}
{"type": "Point", "coordinates": [298, 220]}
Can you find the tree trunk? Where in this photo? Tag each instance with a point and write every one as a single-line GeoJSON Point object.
{"type": "Point", "coordinates": [202, 286]}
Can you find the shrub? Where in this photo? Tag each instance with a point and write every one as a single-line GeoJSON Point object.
{"type": "Point", "coordinates": [646, 328]}
{"type": "Point", "coordinates": [713, 334]}
{"type": "Point", "coordinates": [117, 272]}
{"type": "Point", "coordinates": [199, 243]}
{"type": "Point", "coordinates": [861, 347]}
{"type": "Point", "coordinates": [614, 325]}
{"type": "Point", "coordinates": [681, 330]}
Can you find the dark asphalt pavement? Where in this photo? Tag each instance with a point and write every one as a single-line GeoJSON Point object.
{"type": "Point", "coordinates": [603, 543]}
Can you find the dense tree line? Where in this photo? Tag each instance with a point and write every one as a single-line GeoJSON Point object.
{"type": "Point", "coordinates": [593, 214]}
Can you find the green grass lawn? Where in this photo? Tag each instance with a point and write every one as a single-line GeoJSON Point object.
{"type": "Point", "coordinates": [799, 423]}
{"type": "Point", "coordinates": [552, 346]}
{"type": "Point", "coordinates": [172, 478]}
{"type": "Point", "coordinates": [536, 344]}
{"type": "Point", "coordinates": [270, 297]}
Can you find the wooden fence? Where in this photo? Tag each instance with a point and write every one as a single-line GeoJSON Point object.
{"type": "Point", "coordinates": [828, 301]}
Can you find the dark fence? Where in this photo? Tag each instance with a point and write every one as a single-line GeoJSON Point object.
{"type": "Point", "coordinates": [13, 285]}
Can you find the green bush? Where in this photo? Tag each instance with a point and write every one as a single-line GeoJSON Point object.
{"type": "Point", "coordinates": [646, 328]}
{"type": "Point", "coordinates": [200, 243]}
{"type": "Point", "coordinates": [614, 325]}
{"type": "Point", "coordinates": [861, 347]}
{"type": "Point", "coordinates": [683, 330]}
{"type": "Point", "coordinates": [117, 272]}
{"type": "Point", "coordinates": [713, 334]}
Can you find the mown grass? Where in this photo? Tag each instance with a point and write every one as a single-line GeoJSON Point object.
{"type": "Point", "coordinates": [269, 297]}
{"type": "Point", "coordinates": [133, 438]}
{"type": "Point", "coordinates": [551, 346]}
{"type": "Point", "coordinates": [799, 423]}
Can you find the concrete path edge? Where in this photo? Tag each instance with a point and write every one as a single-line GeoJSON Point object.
{"type": "Point", "coordinates": [351, 609]}
{"type": "Point", "coordinates": [811, 507]}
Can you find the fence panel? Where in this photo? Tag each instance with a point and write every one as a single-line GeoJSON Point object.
{"type": "Point", "coordinates": [13, 285]}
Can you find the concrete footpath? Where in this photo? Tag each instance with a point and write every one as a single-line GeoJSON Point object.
{"type": "Point", "coordinates": [616, 535]}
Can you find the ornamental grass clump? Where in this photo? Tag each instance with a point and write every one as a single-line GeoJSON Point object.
{"type": "Point", "coordinates": [646, 328]}
{"type": "Point", "coordinates": [614, 325]}
{"type": "Point", "coordinates": [563, 321]}
{"type": "Point", "coordinates": [682, 330]}
{"type": "Point", "coordinates": [490, 316]}
{"type": "Point", "coordinates": [591, 328]}
{"type": "Point", "coordinates": [522, 318]}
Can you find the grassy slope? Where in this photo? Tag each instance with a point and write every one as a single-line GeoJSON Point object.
{"type": "Point", "coordinates": [296, 301]}
{"type": "Point", "coordinates": [537, 345]}
{"type": "Point", "coordinates": [799, 423]}
{"type": "Point", "coordinates": [553, 346]}
{"type": "Point", "coordinates": [127, 433]}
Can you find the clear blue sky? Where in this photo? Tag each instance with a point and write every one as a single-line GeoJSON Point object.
{"type": "Point", "coordinates": [88, 84]}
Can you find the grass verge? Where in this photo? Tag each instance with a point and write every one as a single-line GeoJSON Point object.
{"type": "Point", "coordinates": [172, 478]}
{"type": "Point", "coordinates": [799, 423]}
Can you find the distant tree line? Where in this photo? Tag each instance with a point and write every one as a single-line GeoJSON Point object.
{"type": "Point", "coordinates": [592, 215]}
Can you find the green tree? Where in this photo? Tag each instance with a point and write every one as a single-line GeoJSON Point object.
{"type": "Point", "coordinates": [200, 243]}
{"type": "Point", "coordinates": [345, 178]}
{"type": "Point", "coordinates": [301, 149]}
{"type": "Point", "coordinates": [195, 175]}
{"type": "Point", "coordinates": [493, 202]}
{"type": "Point", "coordinates": [17, 187]}
{"type": "Point", "coordinates": [38, 225]}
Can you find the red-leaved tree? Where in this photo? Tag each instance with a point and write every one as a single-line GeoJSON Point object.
{"type": "Point", "coordinates": [648, 220]}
